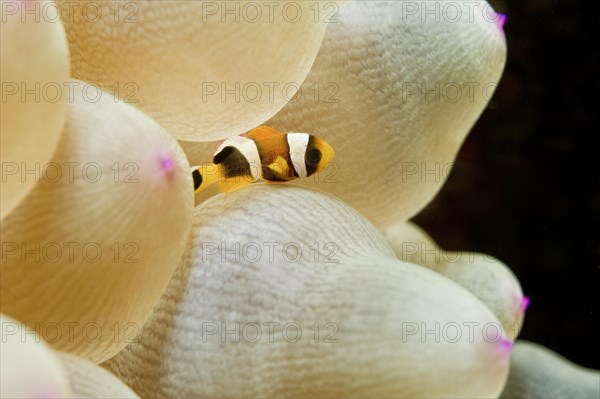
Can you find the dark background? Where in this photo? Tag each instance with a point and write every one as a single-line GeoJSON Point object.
{"type": "Point", "coordinates": [526, 185]}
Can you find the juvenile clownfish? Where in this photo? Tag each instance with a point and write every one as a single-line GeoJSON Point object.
{"type": "Point", "coordinates": [263, 153]}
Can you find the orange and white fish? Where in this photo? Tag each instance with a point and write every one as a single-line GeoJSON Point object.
{"type": "Point", "coordinates": [263, 153]}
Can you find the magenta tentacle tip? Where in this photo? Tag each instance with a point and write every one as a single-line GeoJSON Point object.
{"type": "Point", "coordinates": [506, 344]}
{"type": "Point", "coordinates": [167, 164]}
{"type": "Point", "coordinates": [525, 303]}
{"type": "Point", "coordinates": [501, 20]}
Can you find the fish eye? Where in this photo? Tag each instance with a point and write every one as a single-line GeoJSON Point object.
{"type": "Point", "coordinates": [313, 156]}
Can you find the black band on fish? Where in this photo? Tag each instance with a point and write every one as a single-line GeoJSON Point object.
{"type": "Point", "coordinates": [311, 168]}
{"type": "Point", "coordinates": [233, 162]}
{"type": "Point", "coordinates": [197, 179]}
{"type": "Point", "coordinates": [222, 155]}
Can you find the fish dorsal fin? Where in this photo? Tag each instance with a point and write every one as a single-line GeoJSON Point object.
{"type": "Point", "coordinates": [263, 132]}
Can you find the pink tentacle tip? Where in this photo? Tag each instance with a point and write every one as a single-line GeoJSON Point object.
{"type": "Point", "coordinates": [501, 20]}
{"type": "Point", "coordinates": [506, 344]}
{"type": "Point", "coordinates": [167, 164]}
{"type": "Point", "coordinates": [525, 303]}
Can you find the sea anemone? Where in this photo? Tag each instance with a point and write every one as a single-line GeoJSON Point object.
{"type": "Point", "coordinates": [118, 282]}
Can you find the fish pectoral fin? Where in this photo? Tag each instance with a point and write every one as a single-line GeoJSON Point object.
{"type": "Point", "coordinates": [234, 183]}
{"type": "Point", "coordinates": [280, 168]}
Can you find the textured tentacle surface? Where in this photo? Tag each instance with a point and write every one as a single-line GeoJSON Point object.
{"type": "Point", "coordinates": [93, 246]}
{"type": "Point", "coordinates": [483, 275]}
{"type": "Point", "coordinates": [34, 67]}
{"type": "Point", "coordinates": [202, 74]}
{"type": "Point", "coordinates": [88, 380]}
{"type": "Point", "coordinates": [330, 312]}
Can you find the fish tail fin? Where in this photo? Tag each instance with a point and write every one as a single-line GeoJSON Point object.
{"type": "Point", "coordinates": [204, 175]}
{"type": "Point", "coordinates": [235, 183]}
